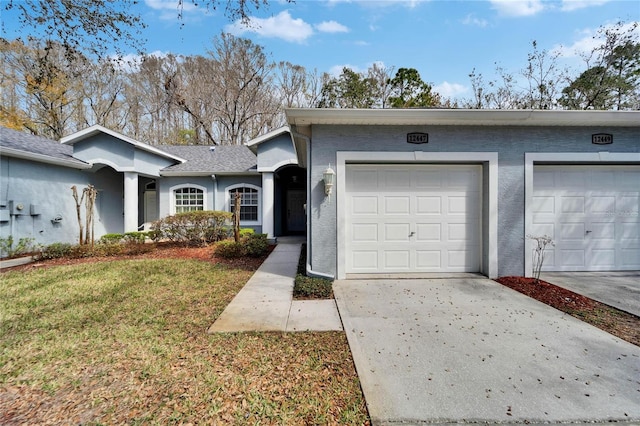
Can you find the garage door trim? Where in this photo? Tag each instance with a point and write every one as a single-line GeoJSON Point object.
{"type": "Point", "coordinates": [490, 218]}
{"type": "Point", "coordinates": [568, 158]}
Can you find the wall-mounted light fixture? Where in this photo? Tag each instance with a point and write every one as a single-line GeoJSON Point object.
{"type": "Point", "coordinates": [329, 178]}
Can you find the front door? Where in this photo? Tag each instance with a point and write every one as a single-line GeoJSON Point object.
{"type": "Point", "coordinates": [296, 219]}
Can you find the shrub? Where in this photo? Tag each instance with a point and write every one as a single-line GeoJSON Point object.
{"type": "Point", "coordinates": [24, 245]}
{"type": "Point", "coordinates": [256, 245]}
{"type": "Point", "coordinates": [306, 287]}
{"type": "Point", "coordinates": [230, 249]}
{"type": "Point", "coordinates": [135, 237]}
{"type": "Point", "coordinates": [111, 239]}
{"type": "Point", "coordinates": [193, 228]}
{"type": "Point", "coordinates": [55, 251]}
{"type": "Point", "coordinates": [245, 232]}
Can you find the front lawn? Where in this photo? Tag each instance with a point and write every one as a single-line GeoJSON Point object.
{"type": "Point", "coordinates": [124, 341]}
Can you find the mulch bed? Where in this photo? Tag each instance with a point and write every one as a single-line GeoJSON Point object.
{"type": "Point", "coordinates": [614, 321]}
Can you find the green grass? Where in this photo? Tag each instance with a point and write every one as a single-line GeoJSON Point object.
{"type": "Point", "coordinates": [125, 342]}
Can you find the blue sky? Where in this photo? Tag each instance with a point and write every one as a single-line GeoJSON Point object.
{"type": "Point", "coordinates": [443, 40]}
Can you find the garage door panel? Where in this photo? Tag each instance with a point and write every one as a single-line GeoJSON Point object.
{"type": "Point", "coordinates": [396, 205]}
{"type": "Point", "coordinates": [428, 232]}
{"type": "Point", "coordinates": [572, 204]}
{"type": "Point", "coordinates": [364, 180]}
{"type": "Point", "coordinates": [571, 232]}
{"type": "Point", "coordinates": [428, 259]}
{"type": "Point", "coordinates": [394, 232]}
{"type": "Point", "coordinates": [591, 212]}
{"type": "Point", "coordinates": [396, 260]}
{"type": "Point", "coordinates": [365, 232]}
{"type": "Point", "coordinates": [603, 258]}
{"type": "Point", "coordinates": [364, 205]}
{"type": "Point", "coordinates": [427, 217]}
{"type": "Point", "coordinates": [630, 256]}
{"type": "Point", "coordinates": [428, 205]}
{"type": "Point", "coordinates": [364, 260]}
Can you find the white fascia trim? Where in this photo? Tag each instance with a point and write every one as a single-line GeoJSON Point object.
{"type": "Point", "coordinates": [95, 129]}
{"type": "Point", "coordinates": [113, 165]}
{"type": "Point", "coordinates": [569, 158]}
{"type": "Point", "coordinates": [461, 117]}
{"type": "Point", "coordinates": [377, 157]}
{"type": "Point", "coordinates": [278, 165]}
{"type": "Point", "coordinates": [42, 158]}
{"type": "Point", "coordinates": [269, 135]}
{"type": "Point", "coordinates": [205, 174]}
{"type": "Point", "coordinates": [172, 197]}
{"type": "Point", "coordinates": [227, 202]}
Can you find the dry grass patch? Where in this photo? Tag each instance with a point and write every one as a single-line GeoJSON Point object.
{"type": "Point", "coordinates": [125, 342]}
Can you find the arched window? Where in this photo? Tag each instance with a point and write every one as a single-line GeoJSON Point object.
{"type": "Point", "coordinates": [249, 202]}
{"type": "Point", "coordinates": [188, 198]}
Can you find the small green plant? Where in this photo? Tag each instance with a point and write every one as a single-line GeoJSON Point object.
{"type": "Point", "coordinates": [230, 249]}
{"type": "Point", "coordinates": [135, 237]}
{"type": "Point", "coordinates": [539, 253]}
{"type": "Point", "coordinates": [245, 232]}
{"type": "Point", "coordinates": [111, 239]}
{"type": "Point", "coordinates": [55, 251]}
{"type": "Point", "coordinates": [24, 245]}
{"type": "Point", "coordinates": [306, 287]}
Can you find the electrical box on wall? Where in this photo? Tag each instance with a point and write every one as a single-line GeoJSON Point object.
{"type": "Point", "coordinates": [4, 216]}
{"type": "Point", "coordinates": [17, 208]}
{"type": "Point", "coordinates": [34, 210]}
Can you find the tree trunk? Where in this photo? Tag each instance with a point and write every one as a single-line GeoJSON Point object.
{"type": "Point", "coordinates": [236, 216]}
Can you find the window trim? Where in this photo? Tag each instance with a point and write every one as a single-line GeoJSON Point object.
{"type": "Point", "coordinates": [172, 190]}
{"type": "Point", "coordinates": [227, 196]}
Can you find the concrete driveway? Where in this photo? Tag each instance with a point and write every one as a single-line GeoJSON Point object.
{"type": "Point", "coordinates": [618, 289]}
{"type": "Point", "coordinates": [468, 350]}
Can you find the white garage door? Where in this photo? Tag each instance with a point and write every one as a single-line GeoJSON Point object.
{"type": "Point", "coordinates": [591, 212]}
{"type": "Point", "coordinates": [413, 218]}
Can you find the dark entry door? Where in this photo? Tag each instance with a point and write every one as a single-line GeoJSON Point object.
{"type": "Point", "coordinates": [296, 219]}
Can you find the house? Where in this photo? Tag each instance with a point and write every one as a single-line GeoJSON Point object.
{"type": "Point", "coordinates": [429, 192]}
{"type": "Point", "coordinates": [138, 183]}
{"type": "Point", "coordinates": [378, 192]}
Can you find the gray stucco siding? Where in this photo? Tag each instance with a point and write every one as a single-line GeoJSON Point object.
{"type": "Point", "coordinates": [105, 149]}
{"type": "Point", "coordinates": [165, 192]}
{"type": "Point", "coordinates": [49, 188]}
{"type": "Point", "coordinates": [511, 143]}
{"type": "Point", "coordinates": [276, 152]}
{"type": "Point", "coordinates": [149, 164]}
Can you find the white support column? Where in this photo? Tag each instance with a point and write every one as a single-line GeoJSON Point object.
{"type": "Point", "coordinates": [268, 197]}
{"type": "Point", "coordinates": [130, 202]}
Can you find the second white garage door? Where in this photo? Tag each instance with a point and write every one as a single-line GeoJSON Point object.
{"type": "Point", "coordinates": [413, 218]}
{"type": "Point", "coordinates": [591, 212]}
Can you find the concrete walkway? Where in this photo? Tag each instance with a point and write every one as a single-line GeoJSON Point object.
{"type": "Point", "coordinates": [266, 302]}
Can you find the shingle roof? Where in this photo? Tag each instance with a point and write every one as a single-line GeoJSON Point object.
{"type": "Point", "coordinates": [38, 145]}
{"type": "Point", "coordinates": [200, 159]}
{"type": "Point", "coordinates": [210, 159]}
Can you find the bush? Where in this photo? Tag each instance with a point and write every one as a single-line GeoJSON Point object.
{"type": "Point", "coordinates": [25, 245]}
{"type": "Point", "coordinates": [256, 244]}
{"type": "Point", "coordinates": [193, 228]}
{"type": "Point", "coordinates": [135, 237]}
{"type": "Point", "coordinates": [230, 249]}
{"type": "Point", "coordinates": [111, 239]}
{"type": "Point", "coordinates": [55, 251]}
{"type": "Point", "coordinates": [245, 232]}
{"type": "Point", "coordinates": [306, 287]}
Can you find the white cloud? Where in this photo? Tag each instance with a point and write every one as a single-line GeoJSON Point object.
{"type": "Point", "coordinates": [450, 90]}
{"type": "Point", "coordinates": [588, 40]}
{"type": "Point", "coordinates": [518, 7]}
{"type": "Point", "coordinates": [170, 9]}
{"type": "Point", "coordinates": [281, 26]}
{"type": "Point", "coordinates": [571, 5]}
{"type": "Point", "coordinates": [331, 27]}
{"type": "Point", "coordinates": [470, 19]}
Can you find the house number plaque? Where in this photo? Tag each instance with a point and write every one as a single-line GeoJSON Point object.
{"type": "Point", "coordinates": [417, 138]}
{"type": "Point", "coordinates": [602, 139]}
